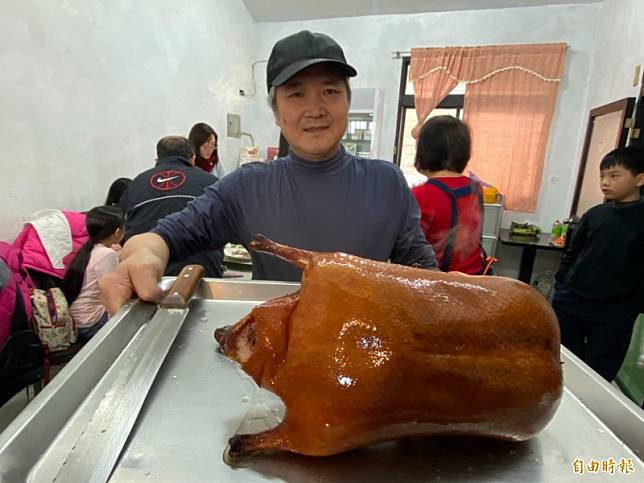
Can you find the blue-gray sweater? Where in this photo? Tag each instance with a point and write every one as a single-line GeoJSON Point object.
{"type": "Point", "coordinates": [349, 204]}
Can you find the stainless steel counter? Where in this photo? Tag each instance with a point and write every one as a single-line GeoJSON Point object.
{"type": "Point", "coordinates": [199, 399]}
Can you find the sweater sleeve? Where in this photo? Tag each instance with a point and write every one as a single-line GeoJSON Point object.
{"type": "Point", "coordinates": [639, 297]}
{"type": "Point", "coordinates": [411, 246]}
{"type": "Point", "coordinates": [207, 223]}
{"type": "Point", "coordinates": [577, 242]}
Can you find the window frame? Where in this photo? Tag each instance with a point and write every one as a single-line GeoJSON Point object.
{"type": "Point", "coordinates": [406, 101]}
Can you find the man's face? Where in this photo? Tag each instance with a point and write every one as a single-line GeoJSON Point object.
{"type": "Point", "coordinates": [312, 109]}
{"type": "Point", "coordinates": [619, 184]}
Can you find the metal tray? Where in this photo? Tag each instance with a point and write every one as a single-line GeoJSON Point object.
{"type": "Point", "coordinates": [200, 398]}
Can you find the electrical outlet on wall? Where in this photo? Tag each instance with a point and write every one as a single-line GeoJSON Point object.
{"type": "Point", "coordinates": [233, 125]}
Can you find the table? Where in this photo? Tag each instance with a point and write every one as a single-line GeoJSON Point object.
{"type": "Point", "coordinates": [199, 398]}
{"type": "Point", "coordinates": [529, 250]}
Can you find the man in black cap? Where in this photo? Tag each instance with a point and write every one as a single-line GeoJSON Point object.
{"type": "Point", "coordinates": [318, 197]}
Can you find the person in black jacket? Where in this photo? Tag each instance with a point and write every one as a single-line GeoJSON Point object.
{"type": "Point", "coordinates": [166, 188]}
{"type": "Point", "coordinates": [117, 188]}
{"type": "Point", "coordinates": [600, 282]}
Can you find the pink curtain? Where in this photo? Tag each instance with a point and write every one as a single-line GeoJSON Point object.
{"type": "Point", "coordinates": [510, 97]}
{"type": "Point", "coordinates": [430, 70]}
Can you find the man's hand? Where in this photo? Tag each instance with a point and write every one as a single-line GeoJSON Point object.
{"type": "Point", "coordinates": [143, 261]}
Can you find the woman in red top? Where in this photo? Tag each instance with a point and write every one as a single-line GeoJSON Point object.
{"type": "Point", "coordinates": [204, 140]}
{"type": "Point", "coordinates": [451, 205]}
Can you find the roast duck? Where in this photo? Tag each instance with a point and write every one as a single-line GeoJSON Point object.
{"type": "Point", "coordinates": [367, 352]}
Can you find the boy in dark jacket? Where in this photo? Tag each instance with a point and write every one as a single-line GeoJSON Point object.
{"type": "Point", "coordinates": [600, 282]}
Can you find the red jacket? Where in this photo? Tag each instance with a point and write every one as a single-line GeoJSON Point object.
{"type": "Point", "coordinates": [34, 255]}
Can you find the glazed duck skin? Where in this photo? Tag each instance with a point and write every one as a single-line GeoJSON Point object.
{"type": "Point", "coordinates": [369, 351]}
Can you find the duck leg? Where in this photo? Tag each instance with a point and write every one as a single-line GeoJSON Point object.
{"type": "Point", "coordinates": [242, 449]}
{"type": "Point", "coordinates": [296, 256]}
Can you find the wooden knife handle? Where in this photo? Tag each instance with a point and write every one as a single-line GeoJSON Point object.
{"type": "Point", "coordinates": [183, 287]}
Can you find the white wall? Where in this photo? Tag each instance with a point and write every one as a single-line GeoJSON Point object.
{"type": "Point", "coordinates": [369, 41]}
{"type": "Point", "coordinates": [620, 48]}
{"type": "Point", "coordinates": [89, 87]}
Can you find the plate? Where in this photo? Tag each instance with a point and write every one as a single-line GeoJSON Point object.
{"type": "Point", "coordinates": [236, 253]}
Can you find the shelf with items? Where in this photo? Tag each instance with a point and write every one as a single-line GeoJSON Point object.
{"type": "Point", "coordinates": [357, 139]}
{"type": "Point", "coordinates": [364, 123]}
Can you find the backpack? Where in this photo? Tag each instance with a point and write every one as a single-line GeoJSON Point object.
{"type": "Point", "coordinates": [51, 319]}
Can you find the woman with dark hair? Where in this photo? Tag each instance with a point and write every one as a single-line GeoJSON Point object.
{"type": "Point", "coordinates": [451, 205]}
{"type": "Point", "coordinates": [117, 188]}
{"type": "Point", "coordinates": [204, 140]}
{"type": "Point", "coordinates": [93, 260]}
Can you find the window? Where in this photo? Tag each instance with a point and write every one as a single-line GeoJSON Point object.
{"type": "Point", "coordinates": [405, 147]}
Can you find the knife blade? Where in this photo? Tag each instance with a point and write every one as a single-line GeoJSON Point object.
{"type": "Point", "coordinates": [99, 446]}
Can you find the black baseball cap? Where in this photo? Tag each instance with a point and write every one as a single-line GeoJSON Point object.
{"type": "Point", "coordinates": [301, 50]}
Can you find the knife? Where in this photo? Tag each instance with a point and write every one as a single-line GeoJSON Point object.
{"type": "Point", "coordinates": [97, 449]}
